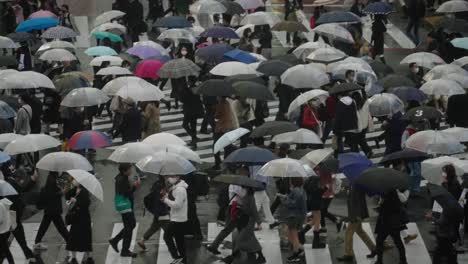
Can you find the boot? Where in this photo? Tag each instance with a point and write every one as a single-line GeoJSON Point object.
{"type": "Point", "coordinates": [316, 243]}
{"type": "Point", "coordinates": [302, 233]}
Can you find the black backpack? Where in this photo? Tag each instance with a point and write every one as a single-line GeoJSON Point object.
{"type": "Point", "coordinates": [148, 201]}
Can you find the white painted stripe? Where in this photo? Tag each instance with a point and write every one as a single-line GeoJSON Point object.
{"type": "Point", "coordinates": [163, 253]}
{"type": "Point", "coordinates": [400, 37]}
{"type": "Point", "coordinates": [30, 231]}
{"type": "Point", "coordinates": [270, 241]}
{"type": "Point", "coordinates": [360, 249]}
{"type": "Point", "coordinates": [114, 257]}
{"type": "Point", "coordinates": [213, 231]}
{"type": "Point", "coordinates": [416, 251]}
{"type": "Point", "coordinates": [321, 255]}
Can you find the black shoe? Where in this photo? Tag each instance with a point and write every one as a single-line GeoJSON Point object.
{"type": "Point", "coordinates": [345, 258]}
{"type": "Point", "coordinates": [168, 106]}
{"type": "Point", "coordinates": [128, 253]}
{"type": "Point", "coordinates": [339, 225]}
{"type": "Point", "coordinates": [296, 257]}
{"type": "Point", "coordinates": [89, 261]}
{"type": "Point", "coordinates": [372, 254]}
{"type": "Point", "coordinates": [260, 260]}
{"type": "Point", "coordinates": [114, 245]}
{"type": "Point", "coordinates": [275, 224]}
{"type": "Point", "coordinates": [212, 250]}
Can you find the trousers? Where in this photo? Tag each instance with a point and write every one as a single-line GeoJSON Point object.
{"type": "Point", "coordinates": [175, 241]}
{"type": "Point", "coordinates": [45, 223]}
{"type": "Point", "coordinates": [356, 228]}
{"type": "Point", "coordinates": [129, 223]}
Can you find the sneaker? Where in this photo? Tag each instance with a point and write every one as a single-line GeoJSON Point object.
{"type": "Point", "coordinates": [142, 245]}
{"type": "Point", "coordinates": [40, 246]}
{"type": "Point", "coordinates": [128, 253]}
{"type": "Point", "coordinates": [212, 249]}
{"type": "Point", "coordinates": [296, 257]}
{"type": "Point", "coordinates": [410, 238]}
{"type": "Point", "coordinates": [114, 245]}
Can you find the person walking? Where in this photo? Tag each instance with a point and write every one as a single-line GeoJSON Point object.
{"type": "Point", "coordinates": [345, 119]}
{"type": "Point", "coordinates": [135, 19]}
{"type": "Point", "coordinates": [65, 17]}
{"type": "Point", "coordinates": [151, 123]}
{"type": "Point", "coordinates": [357, 137]}
{"type": "Point", "coordinates": [331, 186]}
{"type": "Point", "coordinates": [124, 190]}
{"type": "Point", "coordinates": [6, 225]}
{"type": "Point", "coordinates": [50, 200]}
{"type": "Point", "coordinates": [378, 37]}
{"type": "Point", "coordinates": [192, 109]}
{"type": "Point", "coordinates": [24, 115]}
{"type": "Point", "coordinates": [225, 121]}
{"type": "Point", "coordinates": [24, 58]}
{"type": "Point", "coordinates": [416, 11]}
{"type": "Point", "coordinates": [130, 127]}
{"type": "Point", "coordinates": [314, 193]}
{"type": "Point", "coordinates": [456, 106]}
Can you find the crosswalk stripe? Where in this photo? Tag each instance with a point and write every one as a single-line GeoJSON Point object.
{"type": "Point", "coordinates": [163, 253]}
{"type": "Point", "coordinates": [270, 241]}
{"type": "Point", "coordinates": [114, 257]}
{"type": "Point", "coordinates": [416, 250]}
{"type": "Point", "coordinates": [213, 231]}
{"type": "Point", "coordinates": [30, 231]}
{"type": "Point", "coordinates": [320, 255]}
{"type": "Point", "coordinates": [360, 249]}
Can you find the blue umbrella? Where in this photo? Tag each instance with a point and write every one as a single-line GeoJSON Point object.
{"type": "Point", "coordinates": [251, 155]}
{"type": "Point", "coordinates": [4, 157]}
{"type": "Point", "coordinates": [353, 164]}
{"type": "Point", "coordinates": [338, 17]}
{"type": "Point", "coordinates": [37, 24]}
{"type": "Point", "coordinates": [219, 32]}
{"type": "Point", "coordinates": [213, 54]}
{"type": "Point", "coordinates": [461, 43]}
{"type": "Point", "coordinates": [6, 112]}
{"type": "Point", "coordinates": [172, 22]}
{"type": "Point", "coordinates": [406, 93]}
{"type": "Point", "coordinates": [240, 55]}
{"type": "Point", "coordinates": [378, 8]}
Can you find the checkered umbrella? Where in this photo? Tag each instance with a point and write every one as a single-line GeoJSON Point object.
{"type": "Point", "coordinates": [21, 36]}
{"type": "Point", "coordinates": [179, 68]}
{"type": "Point", "coordinates": [59, 32]}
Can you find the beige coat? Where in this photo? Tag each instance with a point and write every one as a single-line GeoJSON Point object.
{"type": "Point", "coordinates": [151, 124]}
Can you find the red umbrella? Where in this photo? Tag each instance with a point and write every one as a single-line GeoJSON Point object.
{"type": "Point", "coordinates": [148, 69]}
{"type": "Point", "coordinates": [42, 14]}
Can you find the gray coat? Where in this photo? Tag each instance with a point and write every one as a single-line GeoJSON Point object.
{"type": "Point", "coordinates": [23, 118]}
{"type": "Point", "coordinates": [245, 239]}
{"type": "Point", "coordinates": [357, 205]}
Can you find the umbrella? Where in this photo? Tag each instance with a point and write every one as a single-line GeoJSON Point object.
{"type": "Point", "coordinates": [383, 180]}
{"type": "Point", "coordinates": [423, 59]}
{"type": "Point", "coordinates": [326, 55]}
{"type": "Point", "coordinates": [385, 104]}
{"type": "Point", "coordinates": [238, 180]}
{"type": "Point", "coordinates": [334, 31]}
{"type": "Point", "coordinates": [305, 49]}
{"type": "Point", "coordinates": [163, 163]}
{"type": "Point", "coordinates": [378, 8]}
{"type": "Point", "coordinates": [177, 34]}
{"type": "Point", "coordinates": [85, 96]}
{"type": "Point", "coordinates": [273, 128]}
{"type": "Point", "coordinates": [405, 154]}
{"type": "Point", "coordinates": [182, 151]}
{"type": "Point", "coordinates": [459, 133]}
{"type": "Point", "coordinates": [172, 22]}
{"type": "Point", "coordinates": [11, 101]}
{"type": "Point", "coordinates": [229, 138]}
{"type": "Point", "coordinates": [315, 157]}
{"type": "Point", "coordinates": [395, 80]}
{"type": "Point", "coordinates": [42, 14]}
{"type": "Point", "coordinates": [244, 77]}
{"type": "Point", "coordinates": [231, 68]}
{"type": "Point", "coordinates": [179, 68]}
{"type": "Point", "coordinates": [130, 82]}
{"type": "Point", "coordinates": [213, 54]}
{"type": "Point", "coordinates": [240, 56]}
{"type": "Point", "coordinates": [65, 83]}
{"type": "Point", "coordinates": [131, 152]}
{"type": "Point", "coordinates": [451, 208]}
{"type": "Point", "coordinates": [6, 189]}
{"type": "Point", "coordinates": [250, 4]}
{"type": "Point", "coordinates": [460, 79]}
{"type": "Point", "coordinates": [214, 87]}
{"type": "Point", "coordinates": [100, 51]}
{"type": "Point", "coordinates": [219, 32]}
{"type": "Point", "coordinates": [26, 80]}
{"type": "Point", "coordinates": [434, 142]}
{"type": "Point", "coordinates": [6, 112]}
{"type": "Point", "coordinates": [57, 55]}
{"type": "Point", "coordinates": [232, 8]}
{"type": "Point", "coordinates": [253, 90]}
{"type": "Point", "coordinates": [110, 26]}
{"type": "Point", "coordinates": [440, 71]}
{"type": "Point", "coordinates": [59, 32]}
{"type": "Point", "coordinates": [442, 87]}
{"type": "Point", "coordinates": [108, 16]}
{"type": "Point", "coordinates": [143, 52]}
{"type": "Point", "coordinates": [164, 139]}
{"type": "Point", "coordinates": [6, 61]}
{"type": "Point", "coordinates": [7, 43]}
{"type": "Point", "coordinates": [407, 94]}
{"type": "Point", "coordinates": [286, 168]}
{"type": "Point", "coordinates": [461, 43]}
{"type": "Point", "coordinates": [141, 92]}
{"type": "Point", "coordinates": [338, 17]}
{"type": "Point", "coordinates": [306, 97]}
{"type": "Point", "coordinates": [250, 155]}
{"type": "Point", "coordinates": [31, 143]}
{"type": "Point", "coordinates": [6, 138]}
{"type": "Point", "coordinates": [431, 169]}
{"type": "Point", "coordinates": [89, 182]}
{"type": "Point", "coordinates": [350, 63]}
{"type": "Point", "coordinates": [56, 44]}
{"type": "Point", "coordinates": [153, 45]}
{"type": "Point", "coordinates": [381, 69]}
{"type": "Point", "coordinates": [89, 139]}
{"type": "Point", "coordinates": [273, 67]}
{"type": "Point", "coordinates": [304, 76]}
{"type": "Point", "coordinates": [300, 136]}
{"type": "Point", "coordinates": [36, 24]}
{"type": "Point", "coordinates": [114, 70]}
{"type": "Point", "coordinates": [260, 18]}
{"type": "Point", "coordinates": [148, 69]}
{"type": "Point", "coordinates": [353, 165]}
{"type": "Point", "coordinates": [344, 88]}
{"type": "Point", "coordinates": [63, 161]}
{"type": "Point", "coordinates": [4, 157]}
{"type": "Point", "coordinates": [108, 35]}
{"type": "Point", "coordinates": [422, 112]}
{"type": "Point", "coordinates": [461, 61]}
{"type": "Point", "coordinates": [207, 7]}
{"type": "Point", "coordinates": [289, 26]}
{"type": "Point", "coordinates": [113, 61]}
{"type": "Point", "coordinates": [453, 6]}
{"type": "Point", "coordinates": [21, 36]}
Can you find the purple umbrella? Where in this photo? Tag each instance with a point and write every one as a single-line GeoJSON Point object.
{"type": "Point", "coordinates": [144, 52]}
{"type": "Point", "coordinates": [213, 54]}
{"type": "Point", "coordinates": [220, 32]}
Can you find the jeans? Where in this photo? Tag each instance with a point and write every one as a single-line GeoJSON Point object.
{"type": "Point", "coordinates": [324, 212]}
{"type": "Point", "coordinates": [356, 228]}
{"type": "Point", "coordinates": [396, 239]}
{"type": "Point", "coordinates": [154, 227]}
{"type": "Point", "coordinates": [125, 234]}
{"type": "Point", "coordinates": [58, 223]}
{"type": "Point", "coordinates": [444, 248]}
{"type": "Point", "coordinates": [5, 248]}
{"type": "Point", "coordinates": [413, 25]}
{"type": "Point", "coordinates": [176, 231]}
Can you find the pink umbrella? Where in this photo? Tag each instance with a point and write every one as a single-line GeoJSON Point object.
{"type": "Point", "coordinates": [42, 14]}
{"type": "Point", "coordinates": [148, 69]}
{"type": "Point", "coordinates": [202, 45]}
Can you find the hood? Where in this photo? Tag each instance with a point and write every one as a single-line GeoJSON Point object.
{"type": "Point", "coordinates": [182, 184]}
{"type": "Point", "coordinates": [346, 100]}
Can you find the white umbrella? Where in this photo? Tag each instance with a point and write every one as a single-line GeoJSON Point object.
{"type": "Point", "coordinates": [424, 59]}
{"type": "Point", "coordinates": [453, 6]}
{"type": "Point", "coordinates": [431, 169]}
{"type": "Point", "coordinates": [131, 152]}
{"type": "Point", "coordinates": [460, 79]}
{"type": "Point", "coordinates": [440, 71]}
{"type": "Point", "coordinates": [326, 55]}
{"type": "Point", "coordinates": [7, 43]}
{"type": "Point", "coordinates": [459, 133]}
{"type": "Point", "coordinates": [305, 49]}
{"type": "Point", "coordinates": [112, 87]}
{"type": "Point", "coordinates": [6, 189]}
{"type": "Point", "coordinates": [7, 138]}
{"type": "Point", "coordinates": [108, 16]}
{"type": "Point", "coordinates": [434, 142]}
{"type": "Point", "coordinates": [182, 151]}
{"type": "Point", "coordinates": [442, 87]}
{"type": "Point", "coordinates": [300, 136]}
{"type": "Point", "coordinates": [31, 143]}
{"type": "Point", "coordinates": [385, 104]}
{"type": "Point", "coordinates": [113, 61]}
{"type": "Point", "coordinates": [316, 156]}
{"type": "Point", "coordinates": [459, 62]}
{"type": "Point", "coordinates": [286, 168]}
{"type": "Point", "coordinates": [141, 93]}
{"type": "Point", "coordinates": [306, 97]}
{"type": "Point", "coordinates": [26, 80]}
{"type": "Point", "coordinates": [164, 138]}
{"type": "Point", "coordinates": [231, 68]}
{"type": "Point", "coordinates": [152, 44]}
{"type": "Point", "coordinates": [109, 26]}
{"type": "Point", "coordinates": [56, 44]}
{"type": "Point", "coordinates": [318, 66]}
{"type": "Point", "coordinates": [57, 55]}
{"type": "Point", "coordinates": [351, 63]}
{"type": "Point", "coordinates": [250, 4]}
{"type": "Point", "coordinates": [304, 76]}
{"type": "Point", "coordinates": [6, 72]}
{"type": "Point", "coordinates": [229, 138]}
{"type": "Point", "coordinates": [196, 30]}
{"type": "Point", "coordinates": [335, 31]}
{"type": "Point", "coordinates": [114, 70]}
{"type": "Point", "coordinates": [207, 7]}
{"type": "Point", "coordinates": [163, 163]}
{"type": "Point", "coordinates": [89, 182]}
{"type": "Point", "coordinates": [85, 96]}
{"type": "Point", "coordinates": [240, 31]}
{"type": "Point", "coordinates": [261, 18]}
{"type": "Point", "coordinates": [177, 34]}
{"type": "Point", "coordinates": [62, 161]}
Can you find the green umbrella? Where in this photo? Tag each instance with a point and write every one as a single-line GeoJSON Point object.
{"type": "Point", "coordinates": [103, 35]}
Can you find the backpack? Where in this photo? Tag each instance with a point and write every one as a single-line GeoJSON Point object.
{"type": "Point", "coordinates": [148, 201]}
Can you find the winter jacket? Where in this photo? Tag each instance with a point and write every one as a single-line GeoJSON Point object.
{"type": "Point", "coordinates": [178, 205]}
{"type": "Point", "coordinates": [357, 205]}
{"type": "Point", "coordinates": [391, 214]}
{"type": "Point", "coordinates": [310, 119]}
{"type": "Point", "coordinates": [345, 116]}
{"type": "Point", "coordinates": [364, 118]}
{"type": "Point", "coordinates": [131, 125]}
{"type": "Point", "coordinates": [50, 200]}
{"type": "Point", "coordinates": [35, 122]}
{"type": "Point", "coordinates": [23, 119]}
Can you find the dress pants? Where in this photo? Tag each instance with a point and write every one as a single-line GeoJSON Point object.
{"type": "Point", "coordinates": [125, 234]}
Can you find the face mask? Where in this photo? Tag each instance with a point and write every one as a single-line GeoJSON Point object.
{"type": "Point", "coordinates": [172, 180]}
{"type": "Point", "coordinates": [444, 175]}
{"type": "Point", "coordinates": [183, 53]}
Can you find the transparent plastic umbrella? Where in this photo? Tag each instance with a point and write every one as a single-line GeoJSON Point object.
{"type": "Point", "coordinates": [114, 70]}
{"type": "Point", "coordinates": [229, 138]}
{"type": "Point", "coordinates": [305, 49]}
{"type": "Point", "coordinates": [306, 97]}
{"type": "Point", "coordinates": [108, 16]}
{"type": "Point", "coordinates": [113, 61]}
{"type": "Point", "coordinates": [460, 79]}
{"type": "Point", "coordinates": [231, 68]}
{"type": "Point", "coordinates": [300, 136]}
{"type": "Point", "coordinates": [89, 182]}
{"type": "Point", "coordinates": [261, 18]}
{"type": "Point", "coordinates": [56, 44]}
{"type": "Point", "coordinates": [431, 169]}
{"type": "Point", "coordinates": [62, 161]}
{"type": "Point", "coordinates": [440, 71]}
{"type": "Point", "coordinates": [131, 152]}
{"type": "Point", "coordinates": [6, 189]}
{"type": "Point", "coordinates": [459, 133]}
{"type": "Point", "coordinates": [86, 96]}
{"type": "Point", "coordinates": [334, 31]}
{"type": "Point", "coordinates": [163, 138]}
{"type": "Point", "coordinates": [286, 168]}
{"type": "Point", "coordinates": [424, 59]}
{"type": "Point", "coordinates": [57, 55]}
{"type": "Point", "coordinates": [207, 7]}
{"type": "Point", "coordinates": [6, 138]}
{"type": "Point", "coordinates": [26, 80]}
{"type": "Point", "coordinates": [453, 6]}
{"type": "Point", "coordinates": [31, 143]}
{"type": "Point", "coordinates": [326, 55]}
{"type": "Point", "coordinates": [442, 87]}
{"type": "Point", "coordinates": [316, 156]}
{"type": "Point", "coordinates": [163, 163]}
{"type": "Point", "coordinates": [182, 151]}
{"type": "Point", "coordinates": [434, 142]}
{"type": "Point", "coordinates": [385, 104]}
{"type": "Point", "coordinates": [304, 76]}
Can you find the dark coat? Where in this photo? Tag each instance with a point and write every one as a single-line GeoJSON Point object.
{"type": "Point", "coordinates": [345, 117]}
{"type": "Point", "coordinates": [392, 216]}
{"type": "Point", "coordinates": [17, 200]}
{"type": "Point", "coordinates": [72, 124]}
{"type": "Point", "coordinates": [393, 132]}
{"type": "Point", "coordinates": [457, 108]}
{"type": "Point", "coordinates": [50, 199]}
{"type": "Point", "coordinates": [357, 205]}
{"type": "Point", "coordinates": [416, 8]}
{"type": "Point", "coordinates": [6, 126]}
{"type": "Point", "coordinates": [51, 105]}
{"type": "Point", "coordinates": [80, 229]}
{"type": "Point", "coordinates": [35, 121]}
{"type": "Point", "coordinates": [193, 107]}
{"type": "Point", "coordinates": [131, 125]}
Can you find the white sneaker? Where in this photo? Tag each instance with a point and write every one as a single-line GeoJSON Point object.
{"type": "Point", "coordinates": [40, 246]}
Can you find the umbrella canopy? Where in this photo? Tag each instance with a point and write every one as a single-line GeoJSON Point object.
{"type": "Point", "coordinates": [306, 97]}
{"type": "Point", "coordinates": [460, 79]}
{"type": "Point", "coordinates": [7, 43]}
{"type": "Point", "coordinates": [6, 189]}
{"type": "Point", "coordinates": [100, 51]}
{"type": "Point", "coordinates": [179, 68]}
{"type": "Point", "coordinates": [142, 91]}
{"type": "Point", "coordinates": [351, 63]}
{"type": "Point", "coordinates": [108, 16]}
{"type": "Point", "coordinates": [459, 133]}
{"type": "Point", "coordinates": [243, 181]}
{"type": "Point", "coordinates": [86, 96]}
{"type": "Point", "coordinates": [10, 101]}
{"type": "Point", "coordinates": [250, 155]}
{"type": "Point", "coordinates": [315, 157]}
{"type": "Point", "coordinates": [440, 71]}
{"type": "Point", "coordinates": [250, 4]}
{"type": "Point", "coordinates": [395, 80]}
{"type": "Point", "coordinates": [110, 26]}
{"type": "Point", "coordinates": [143, 52]}
{"type": "Point", "coordinates": [273, 67]}
{"type": "Point", "coordinates": [442, 87]}
{"type": "Point", "coordinates": [36, 24]}
{"type": "Point", "coordinates": [453, 6]}
{"type": "Point", "coordinates": [219, 32]}
{"type": "Point", "coordinates": [21, 36]}
{"type": "Point", "coordinates": [461, 43]}
{"type": "Point", "coordinates": [59, 32]}
{"type": "Point", "coordinates": [65, 83]}
{"type": "Point", "coordinates": [385, 104]}
{"type": "Point", "coordinates": [172, 22]}
{"type": "Point", "coordinates": [103, 35]}
{"type": "Point", "coordinates": [341, 17]}
{"type": "Point", "coordinates": [300, 136]}
{"type": "Point", "coordinates": [207, 7]}
{"type": "Point", "coordinates": [353, 165]}
{"type": "Point", "coordinates": [164, 139]}
{"type": "Point", "coordinates": [334, 31]}
{"type": "Point", "coordinates": [114, 86]}
{"type": "Point", "coordinates": [424, 59]}
{"type": "Point", "coordinates": [177, 34]}
{"type": "Point", "coordinates": [57, 55]}
{"type": "Point", "coordinates": [229, 138]}
{"type": "Point", "coordinates": [182, 151]}
{"type": "Point", "coordinates": [89, 182]}
{"type": "Point", "coordinates": [381, 69]}
{"type": "Point", "coordinates": [231, 68]}
{"type": "Point", "coordinates": [289, 26]}
{"type": "Point", "coordinates": [434, 142]}
{"type": "Point", "coordinates": [4, 157]}
{"type": "Point", "coordinates": [260, 18]}
{"type": "Point", "coordinates": [56, 44]}
{"type": "Point", "coordinates": [131, 152]}
{"type": "Point", "coordinates": [6, 138]}
{"type": "Point", "coordinates": [383, 180]}
{"type": "Point", "coordinates": [232, 8]}
{"type": "Point", "coordinates": [240, 56]}
{"type": "Point", "coordinates": [407, 94]}
{"type": "Point", "coordinates": [148, 69]}
{"type": "Point", "coordinates": [231, 80]}
{"type": "Point", "coordinates": [422, 112]}
{"type": "Point", "coordinates": [431, 169]}
{"type": "Point", "coordinates": [113, 61]}
{"type": "Point", "coordinates": [405, 154]}
{"type": "Point", "coordinates": [63, 161]}
{"type": "Point", "coordinates": [153, 45]}
{"type": "Point", "coordinates": [31, 143]}
{"type": "Point", "coordinates": [6, 112]}
{"type": "Point", "coordinates": [344, 88]}
{"type": "Point", "coordinates": [6, 61]}
{"type": "Point", "coordinates": [253, 90]}
{"type": "Point", "coordinates": [163, 163]}
{"type": "Point", "coordinates": [304, 76]}
{"type": "Point", "coordinates": [461, 61]}
{"type": "Point", "coordinates": [286, 168]}
{"type": "Point", "coordinates": [89, 139]}
{"type": "Point", "coordinates": [273, 128]}
{"type": "Point", "coordinates": [114, 70]}
{"type": "Point", "coordinates": [326, 55]}
{"type": "Point", "coordinates": [213, 54]}
{"type": "Point", "coordinates": [214, 87]}
{"type": "Point", "coordinates": [305, 49]}
{"type": "Point", "coordinates": [378, 8]}
{"type": "Point", "coordinates": [26, 80]}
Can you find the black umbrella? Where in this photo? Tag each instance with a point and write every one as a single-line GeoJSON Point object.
{"type": "Point", "coordinates": [289, 58]}
{"type": "Point", "coordinates": [239, 180]}
{"type": "Point", "coordinates": [11, 101]}
{"type": "Point", "coordinates": [405, 154]}
{"type": "Point", "coordinates": [451, 207]}
{"type": "Point", "coordinates": [232, 8]}
{"type": "Point", "coordinates": [382, 180]}
{"type": "Point", "coordinates": [454, 25]}
{"type": "Point", "coordinates": [21, 36]}
{"type": "Point", "coordinates": [395, 80]}
{"type": "Point", "coordinates": [273, 67]}
{"type": "Point", "coordinates": [253, 90]}
{"type": "Point", "coordinates": [338, 17]}
{"type": "Point", "coordinates": [344, 88]}
{"type": "Point", "coordinates": [213, 54]}
{"type": "Point", "coordinates": [273, 128]}
{"type": "Point", "coordinates": [8, 61]}
{"type": "Point", "coordinates": [381, 69]}
{"type": "Point", "coordinates": [251, 155]}
{"type": "Point", "coordinates": [330, 165]}
{"type": "Point", "coordinates": [244, 77]}
{"type": "Point", "coordinates": [422, 112]}
{"type": "Point", "coordinates": [214, 87]}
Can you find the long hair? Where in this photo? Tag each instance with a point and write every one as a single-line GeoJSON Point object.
{"type": "Point", "coordinates": [449, 169]}
{"type": "Point", "coordinates": [51, 182]}
{"type": "Point", "coordinates": [358, 98]}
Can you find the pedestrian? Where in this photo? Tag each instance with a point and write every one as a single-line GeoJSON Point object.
{"type": "Point", "coordinates": [156, 10]}
{"type": "Point", "coordinates": [65, 17]}
{"type": "Point", "coordinates": [450, 181]}
{"type": "Point", "coordinates": [6, 225]}
{"type": "Point", "coordinates": [36, 106]}
{"type": "Point", "coordinates": [456, 106]}
{"type": "Point", "coordinates": [357, 138]}
{"type": "Point", "coordinates": [73, 120]}
{"type": "Point", "coordinates": [416, 12]}
{"type": "Point", "coordinates": [79, 219]}
{"type": "Point", "coordinates": [24, 58]}
{"type": "Point", "coordinates": [209, 104]}
{"type": "Point", "coordinates": [310, 118]}
{"type": "Point", "coordinates": [290, 7]}
{"type": "Point", "coordinates": [123, 200]}
{"type": "Point", "coordinates": [265, 38]}
{"type": "Point", "coordinates": [415, 74]}
{"type": "Point", "coordinates": [24, 115]}
{"type": "Point", "coordinates": [225, 121]}
{"type": "Point", "coordinates": [345, 119]}
{"type": "Point", "coordinates": [262, 200]}
{"type": "Point", "coordinates": [314, 192]}
{"type": "Point", "coordinates": [151, 123]}
{"type": "Point", "coordinates": [393, 130]}
{"type": "Point", "coordinates": [176, 228]}
{"type": "Point", "coordinates": [118, 107]}
{"type": "Point", "coordinates": [135, 19]}
{"type": "Point", "coordinates": [244, 111]}
{"type": "Point", "coordinates": [50, 200]}
{"type": "Point", "coordinates": [378, 37]}
{"type": "Point", "coordinates": [9, 17]}
{"type": "Point", "coordinates": [245, 42]}
{"type": "Point", "coordinates": [331, 186]}
{"type": "Point", "coordinates": [130, 127]}
{"type": "Point", "coordinates": [192, 109]}
{"type": "Point", "coordinates": [198, 185]}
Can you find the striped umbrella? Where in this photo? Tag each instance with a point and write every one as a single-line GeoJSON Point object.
{"type": "Point", "coordinates": [59, 32]}
{"type": "Point", "coordinates": [89, 139]}
{"type": "Point", "coordinates": [179, 68]}
{"type": "Point", "coordinates": [21, 36]}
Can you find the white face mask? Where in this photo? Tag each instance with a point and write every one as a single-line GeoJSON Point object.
{"type": "Point", "coordinates": [415, 70]}
{"type": "Point", "coordinates": [172, 180]}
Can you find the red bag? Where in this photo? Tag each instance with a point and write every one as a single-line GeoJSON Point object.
{"type": "Point", "coordinates": [312, 22]}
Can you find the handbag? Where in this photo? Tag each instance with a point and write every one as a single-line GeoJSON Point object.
{"type": "Point", "coordinates": [122, 204]}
